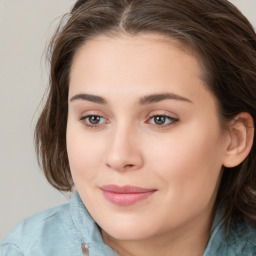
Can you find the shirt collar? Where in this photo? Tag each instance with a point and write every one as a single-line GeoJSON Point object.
{"type": "Point", "coordinates": [88, 229]}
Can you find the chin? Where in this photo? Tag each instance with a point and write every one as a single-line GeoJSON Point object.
{"type": "Point", "coordinates": [126, 232]}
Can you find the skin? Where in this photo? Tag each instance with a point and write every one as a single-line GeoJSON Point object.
{"type": "Point", "coordinates": [182, 160]}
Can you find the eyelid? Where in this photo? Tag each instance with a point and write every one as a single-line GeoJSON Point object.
{"type": "Point", "coordinates": [163, 113]}
{"type": "Point", "coordinates": [93, 114]}
{"type": "Point", "coordinates": [173, 120]}
{"type": "Point", "coordinates": [166, 116]}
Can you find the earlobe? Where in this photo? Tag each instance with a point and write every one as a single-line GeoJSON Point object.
{"type": "Point", "coordinates": [241, 132]}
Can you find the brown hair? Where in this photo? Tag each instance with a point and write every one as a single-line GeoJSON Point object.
{"type": "Point", "coordinates": [215, 30]}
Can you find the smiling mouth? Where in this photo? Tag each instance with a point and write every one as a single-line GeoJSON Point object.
{"type": "Point", "coordinates": [125, 195]}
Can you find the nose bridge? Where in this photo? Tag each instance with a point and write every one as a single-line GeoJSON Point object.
{"type": "Point", "coordinates": [123, 151]}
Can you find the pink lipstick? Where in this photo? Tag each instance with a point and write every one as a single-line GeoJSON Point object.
{"type": "Point", "coordinates": [125, 195]}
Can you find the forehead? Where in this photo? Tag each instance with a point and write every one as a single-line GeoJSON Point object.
{"type": "Point", "coordinates": [145, 57]}
{"type": "Point", "coordinates": [132, 43]}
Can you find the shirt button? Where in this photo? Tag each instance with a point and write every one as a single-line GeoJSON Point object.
{"type": "Point", "coordinates": [85, 250]}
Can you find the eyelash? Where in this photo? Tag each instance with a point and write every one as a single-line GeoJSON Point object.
{"type": "Point", "coordinates": [87, 124]}
{"type": "Point", "coordinates": [172, 121]}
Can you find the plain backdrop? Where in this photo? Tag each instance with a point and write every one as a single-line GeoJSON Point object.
{"type": "Point", "coordinates": [25, 29]}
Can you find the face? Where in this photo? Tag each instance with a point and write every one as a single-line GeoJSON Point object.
{"type": "Point", "coordinates": [144, 141]}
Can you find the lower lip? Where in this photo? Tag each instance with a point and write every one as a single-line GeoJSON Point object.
{"type": "Point", "coordinates": [126, 199]}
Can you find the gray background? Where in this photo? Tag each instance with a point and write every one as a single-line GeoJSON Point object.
{"type": "Point", "coordinates": [25, 28]}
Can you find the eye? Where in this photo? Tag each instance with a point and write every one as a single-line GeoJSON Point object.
{"type": "Point", "coordinates": [162, 120]}
{"type": "Point", "coordinates": [93, 120]}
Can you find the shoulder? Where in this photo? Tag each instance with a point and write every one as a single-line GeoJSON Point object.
{"type": "Point", "coordinates": [237, 239]}
{"type": "Point", "coordinates": [37, 224]}
{"type": "Point", "coordinates": [60, 231]}
{"type": "Point", "coordinates": [47, 226]}
{"type": "Point", "coordinates": [243, 237]}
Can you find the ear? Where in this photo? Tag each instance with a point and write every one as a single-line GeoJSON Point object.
{"type": "Point", "coordinates": [241, 132]}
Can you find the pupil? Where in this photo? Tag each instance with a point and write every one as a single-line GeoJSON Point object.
{"type": "Point", "coordinates": [94, 119]}
{"type": "Point", "coordinates": [159, 120]}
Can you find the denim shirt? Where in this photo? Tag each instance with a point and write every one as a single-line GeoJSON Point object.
{"type": "Point", "coordinates": [63, 230]}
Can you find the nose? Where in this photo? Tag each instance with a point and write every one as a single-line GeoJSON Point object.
{"type": "Point", "coordinates": [123, 151]}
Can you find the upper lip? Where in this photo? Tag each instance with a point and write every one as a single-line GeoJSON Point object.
{"type": "Point", "coordinates": [125, 189]}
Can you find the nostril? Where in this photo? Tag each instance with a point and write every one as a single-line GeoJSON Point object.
{"type": "Point", "coordinates": [128, 166]}
{"type": "Point", "coordinates": [84, 249]}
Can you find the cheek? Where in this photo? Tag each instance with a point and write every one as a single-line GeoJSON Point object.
{"type": "Point", "coordinates": [84, 155]}
{"type": "Point", "coordinates": [189, 163]}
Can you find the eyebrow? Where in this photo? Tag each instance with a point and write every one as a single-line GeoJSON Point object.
{"type": "Point", "coordinates": [89, 97]}
{"type": "Point", "coordinates": [154, 98]}
{"type": "Point", "coordinates": [147, 99]}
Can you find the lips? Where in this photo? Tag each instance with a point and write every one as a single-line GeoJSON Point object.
{"type": "Point", "coordinates": [125, 195]}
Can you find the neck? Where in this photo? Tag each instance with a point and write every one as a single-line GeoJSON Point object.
{"type": "Point", "coordinates": [190, 240]}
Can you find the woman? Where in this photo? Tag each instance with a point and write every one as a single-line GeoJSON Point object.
{"type": "Point", "coordinates": [150, 116]}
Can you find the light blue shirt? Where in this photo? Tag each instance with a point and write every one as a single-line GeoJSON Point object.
{"type": "Point", "coordinates": [61, 231]}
